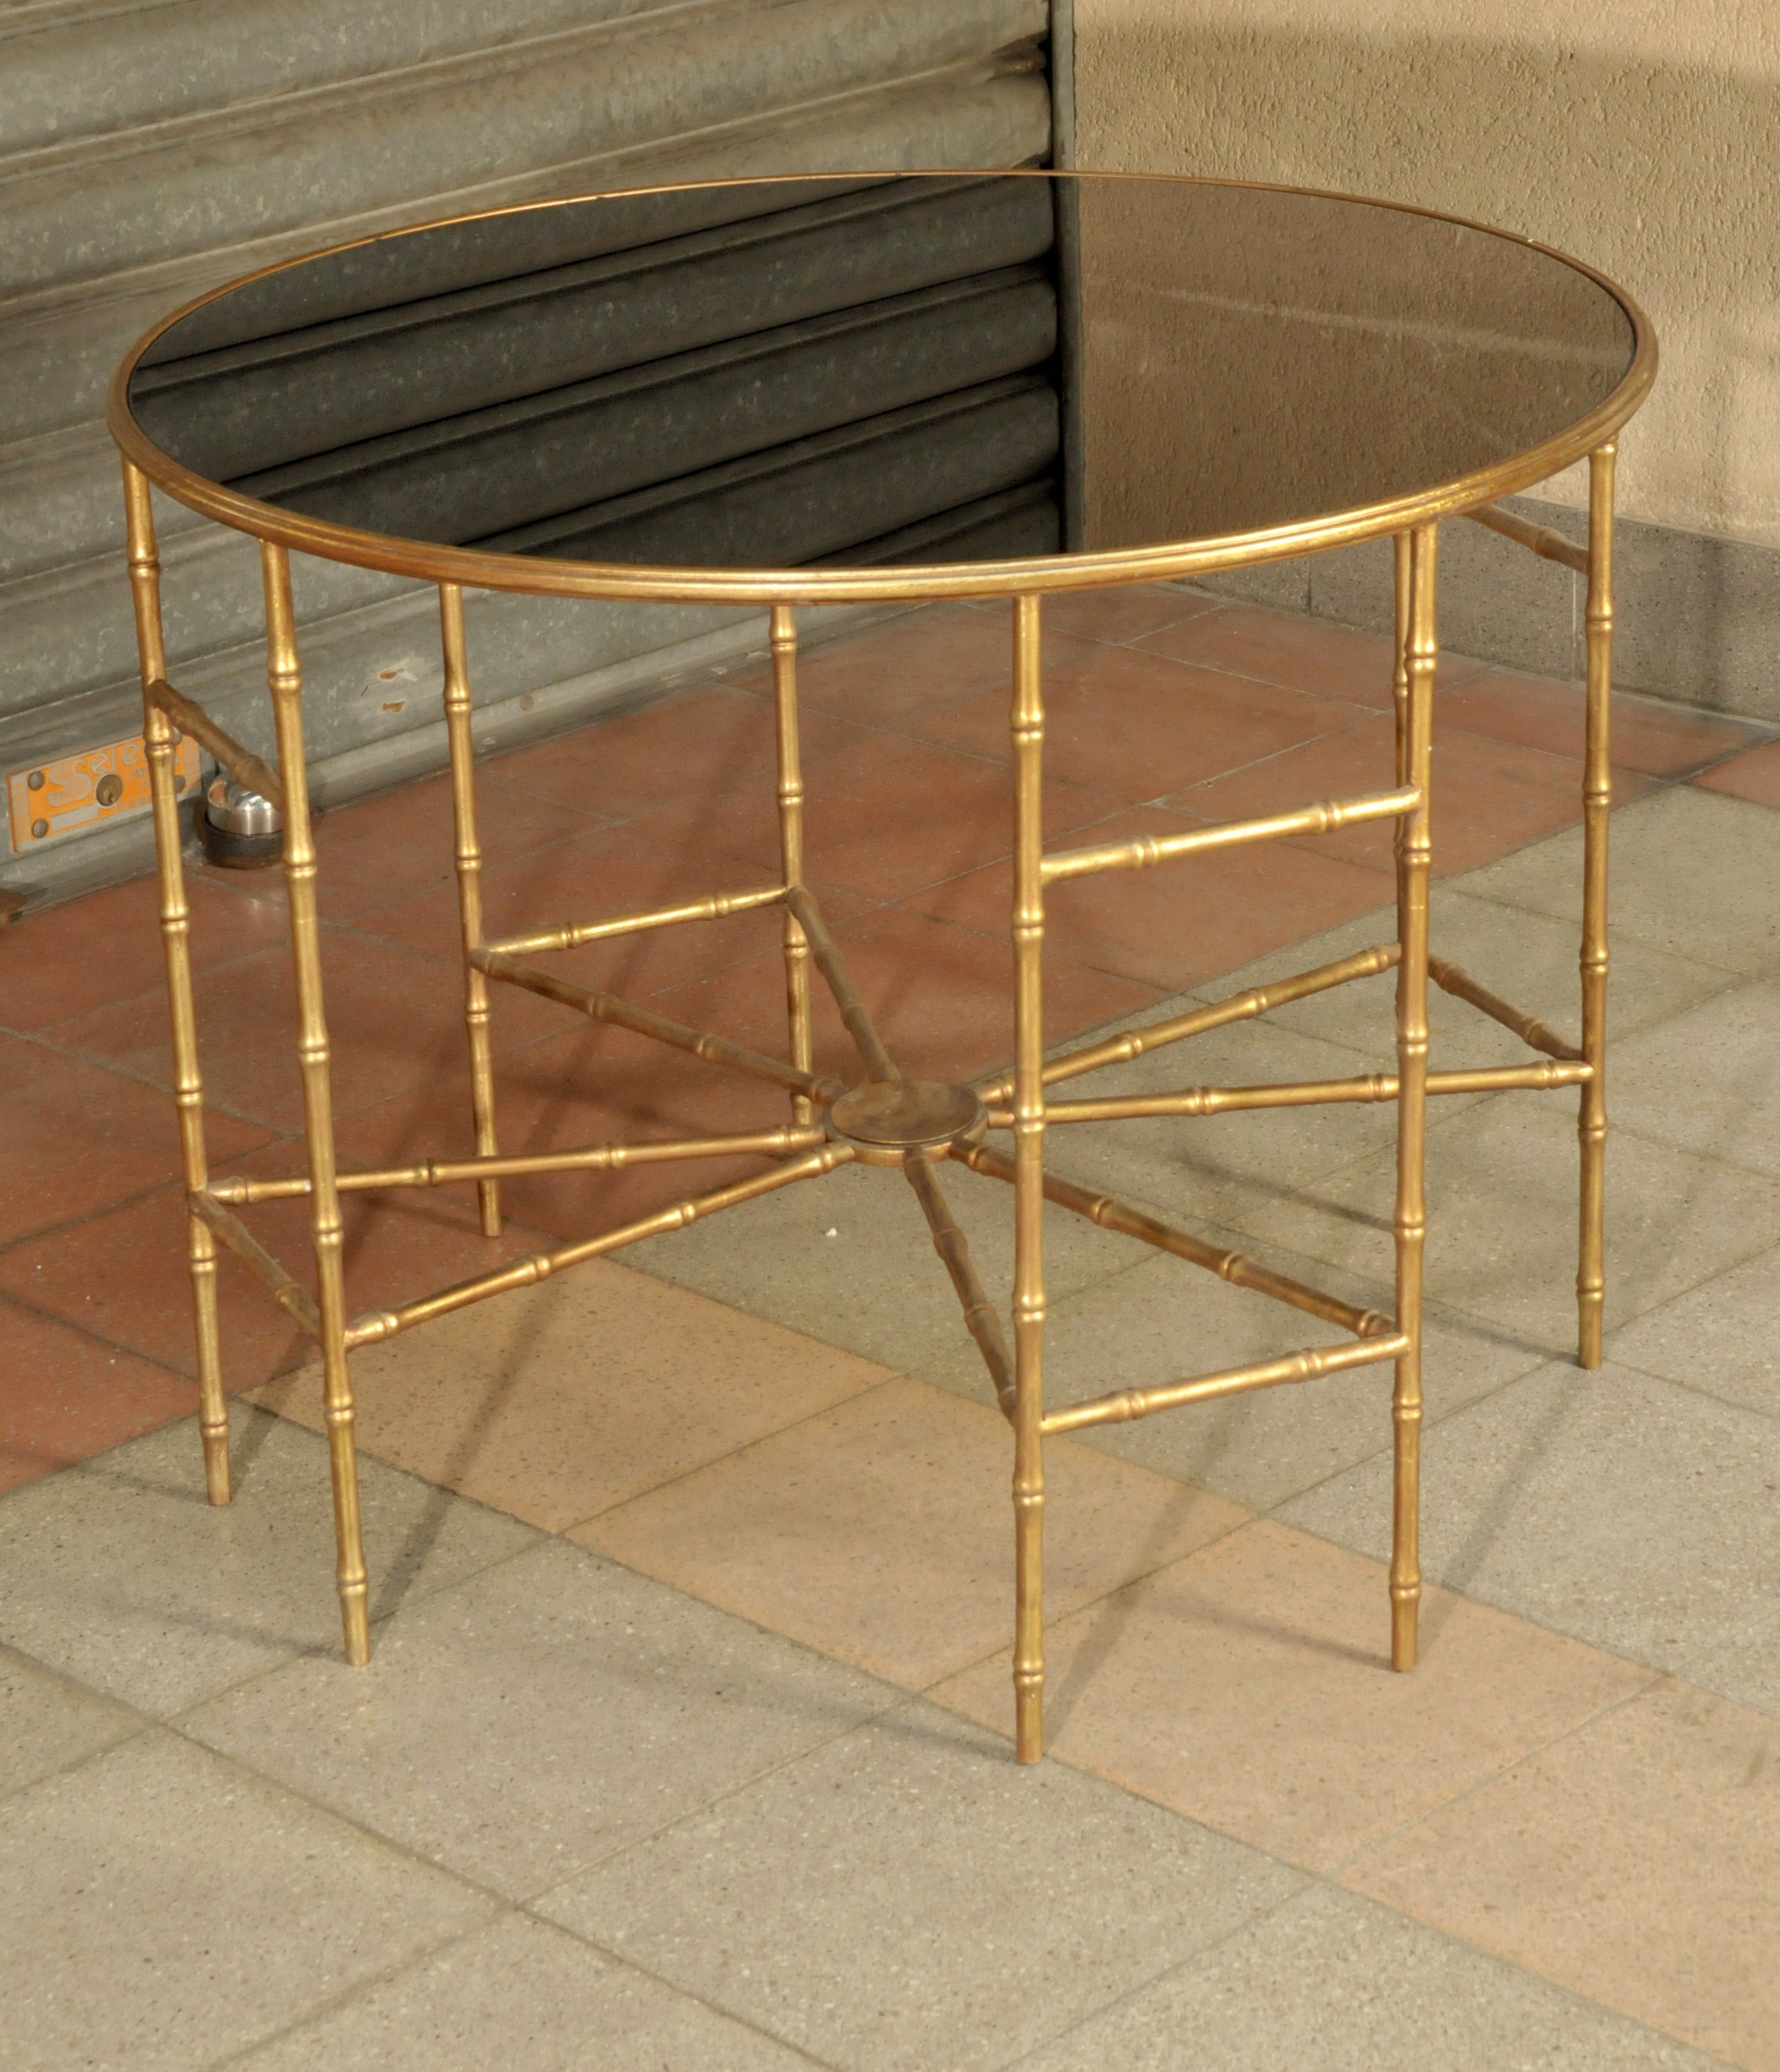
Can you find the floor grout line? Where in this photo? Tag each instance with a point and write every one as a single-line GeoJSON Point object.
{"type": "Point", "coordinates": [10, 1297]}
{"type": "Point", "coordinates": [137, 1721]}
{"type": "Point", "coordinates": [612, 1956]}
{"type": "Point", "coordinates": [512, 1910]}
{"type": "Point", "coordinates": [1693, 1387]}
{"type": "Point", "coordinates": [1317, 1881]}
{"type": "Point", "coordinates": [1170, 1969]}
{"type": "Point", "coordinates": [47, 1233]}
{"type": "Point", "coordinates": [44, 1041]}
{"type": "Point", "coordinates": [361, 1989]}
{"type": "Point", "coordinates": [735, 1453]}
{"type": "Point", "coordinates": [145, 1724]}
{"type": "Point", "coordinates": [1656, 1679]}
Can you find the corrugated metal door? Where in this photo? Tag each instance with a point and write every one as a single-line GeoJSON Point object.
{"type": "Point", "coordinates": [148, 153]}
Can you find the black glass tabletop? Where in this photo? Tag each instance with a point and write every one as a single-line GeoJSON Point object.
{"type": "Point", "coordinates": [878, 370]}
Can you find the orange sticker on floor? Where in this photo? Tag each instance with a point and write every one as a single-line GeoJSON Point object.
{"type": "Point", "coordinates": [53, 800]}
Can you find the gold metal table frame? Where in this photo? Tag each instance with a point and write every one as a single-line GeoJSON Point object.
{"type": "Point", "coordinates": [883, 1118]}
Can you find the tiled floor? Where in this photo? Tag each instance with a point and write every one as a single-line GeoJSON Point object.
{"type": "Point", "coordinates": [682, 1743]}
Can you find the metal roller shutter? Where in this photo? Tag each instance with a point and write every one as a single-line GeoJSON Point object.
{"type": "Point", "coordinates": [224, 140]}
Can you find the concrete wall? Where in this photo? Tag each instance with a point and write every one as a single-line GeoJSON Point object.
{"type": "Point", "coordinates": [1643, 137]}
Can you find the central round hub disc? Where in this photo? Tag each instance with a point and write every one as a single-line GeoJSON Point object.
{"type": "Point", "coordinates": [885, 1118]}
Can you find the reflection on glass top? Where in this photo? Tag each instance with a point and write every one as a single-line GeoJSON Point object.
{"type": "Point", "coordinates": [882, 369]}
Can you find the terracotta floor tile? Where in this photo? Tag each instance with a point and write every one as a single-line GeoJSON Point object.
{"type": "Point", "coordinates": [1286, 648]}
{"type": "Point", "coordinates": [76, 1137]}
{"type": "Point", "coordinates": [107, 946]}
{"type": "Point", "coordinates": [379, 850]}
{"type": "Point", "coordinates": [66, 1396]}
{"type": "Point", "coordinates": [1137, 725]}
{"type": "Point", "coordinates": [589, 1085]}
{"type": "Point", "coordinates": [122, 1275]}
{"type": "Point", "coordinates": [701, 744]}
{"type": "Point", "coordinates": [889, 815]}
{"type": "Point", "coordinates": [1491, 796]}
{"type": "Point", "coordinates": [1248, 1686]}
{"type": "Point", "coordinates": [1180, 923]}
{"type": "Point", "coordinates": [928, 657]}
{"type": "Point", "coordinates": [1124, 614]}
{"type": "Point", "coordinates": [662, 859]}
{"type": "Point", "coordinates": [1754, 776]}
{"type": "Point", "coordinates": [564, 1400]}
{"type": "Point", "coordinates": [882, 815]}
{"type": "Point", "coordinates": [880, 1532]}
{"type": "Point", "coordinates": [1661, 740]}
{"type": "Point", "coordinates": [1636, 1862]}
{"type": "Point", "coordinates": [395, 1017]}
{"type": "Point", "coordinates": [942, 996]}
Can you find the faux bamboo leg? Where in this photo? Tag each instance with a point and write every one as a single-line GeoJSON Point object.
{"type": "Point", "coordinates": [158, 734]}
{"type": "Point", "coordinates": [791, 840]}
{"type": "Point", "coordinates": [1413, 851]}
{"type": "Point", "coordinates": [1029, 1197]}
{"type": "Point", "coordinates": [1400, 680]}
{"type": "Point", "coordinates": [299, 864]}
{"type": "Point", "coordinates": [1591, 1283]}
{"type": "Point", "coordinates": [469, 862]}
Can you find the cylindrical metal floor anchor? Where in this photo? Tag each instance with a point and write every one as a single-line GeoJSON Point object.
{"type": "Point", "coordinates": [238, 828]}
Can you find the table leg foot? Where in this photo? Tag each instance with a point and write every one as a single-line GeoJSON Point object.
{"type": "Point", "coordinates": [1405, 1625]}
{"type": "Point", "coordinates": [1029, 1715]}
{"type": "Point", "coordinates": [356, 1626]}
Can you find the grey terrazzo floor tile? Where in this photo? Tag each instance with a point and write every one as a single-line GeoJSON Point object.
{"type": "Point", "coordinates": [1331, 1982]}
{"type": "Point", "coordinates": [118, 1572]}
{"type": "Point", "coordinates": [1529, 960]}
{"type": "Point", "coordinates": [1633, 1861]}
{"type": "Point", "coordinates": [1501, 1194]}
{"type": "Point", "coordinates": [1197, 1169]}
{"type": "Point", "coordinates": [160, 1909]}
{"type": "Point", "coordinates": [527, 1724]}
{"type": "Point", "coordinates": [48, 1723]}
{"type": "Point", "coordinates": [1692, 872]}
{"type": "Point", "coordinates": [875, 1287]}
{"type": "Point", "coordinates": [1707, 1080]}
{"type": "Point", "coordinates": [1722, 1337]}
{"type": "Point", "coordinates": [526, 1997]}
{"type": "Point", "coordinates": [1165, 1320]}
{"type": "Point", "coordinates": [1627, 1512]}
{"type": "Point", "coordinates": [1744, 1662]}
{"type": "Point", "coordinates": [910, 1897]}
